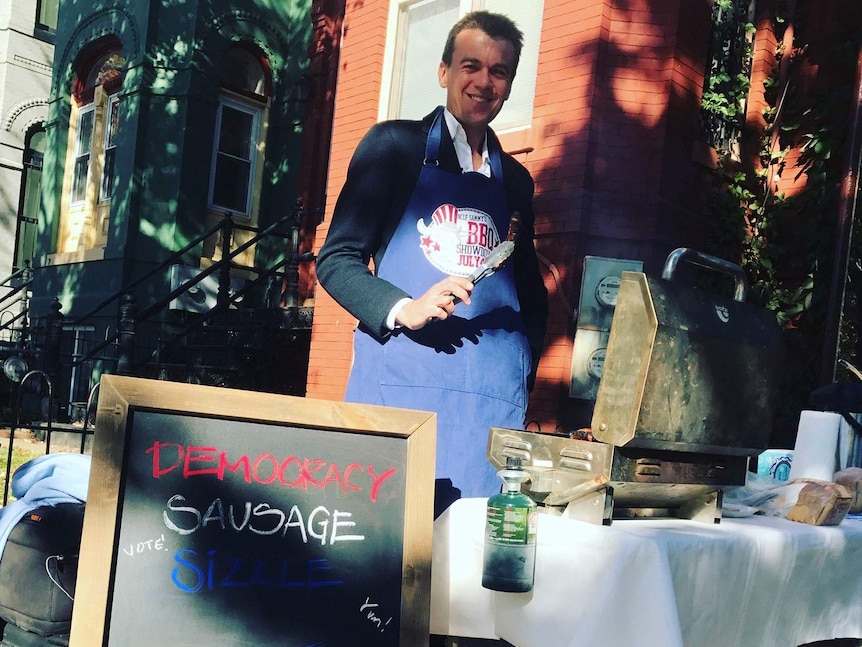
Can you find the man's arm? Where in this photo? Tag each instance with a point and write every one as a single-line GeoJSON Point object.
{"type": "Point", "coordinates": [366, 213]}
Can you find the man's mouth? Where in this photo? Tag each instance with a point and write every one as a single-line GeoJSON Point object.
{"type": "Point", "coordinates": [479, 98]}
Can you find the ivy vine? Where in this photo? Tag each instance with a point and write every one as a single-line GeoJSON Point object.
{"type": "Point", "coordinates": [784, 242]}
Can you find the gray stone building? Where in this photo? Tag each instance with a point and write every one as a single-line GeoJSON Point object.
{"type": "Point", "coordinates": [27, 30]}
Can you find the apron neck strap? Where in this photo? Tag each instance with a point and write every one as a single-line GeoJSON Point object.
{"type": "Point", "coordinates": [435, 137]}
{"type": "Point", "coordinates": [494, 154]}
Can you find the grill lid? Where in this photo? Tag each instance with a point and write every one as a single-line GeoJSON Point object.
{"type": "Point", "coordinates": [687, 370]}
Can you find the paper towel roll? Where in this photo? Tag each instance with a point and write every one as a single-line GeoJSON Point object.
{"type": "Point", "coordinates": [816, 445]}
{"type": "Point", "coordinates": [849, 442]}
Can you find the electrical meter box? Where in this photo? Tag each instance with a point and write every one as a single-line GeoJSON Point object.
{"type": "Point", "coordinates": [600, 283]}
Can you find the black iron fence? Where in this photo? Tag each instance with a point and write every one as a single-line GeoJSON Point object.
{"type": "Point", "coordinates": [231, 344]}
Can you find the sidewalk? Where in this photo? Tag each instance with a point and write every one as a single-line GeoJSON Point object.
{"type": "Point", "coordinates": [64, 438]}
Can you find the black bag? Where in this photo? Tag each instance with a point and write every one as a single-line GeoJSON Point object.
{"type": "Point", "coordinates": [16, 637]}
{"type": "Point", "coordinates": [38, 571]}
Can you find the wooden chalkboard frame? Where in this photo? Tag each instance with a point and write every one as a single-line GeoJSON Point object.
{"type": "Point", "coordinates": [120, 396]}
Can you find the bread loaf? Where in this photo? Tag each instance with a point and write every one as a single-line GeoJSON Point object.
{"type": "Point", "coordinates": [821, 503]}
{"type": "Point", "coordinates": [851, 478]}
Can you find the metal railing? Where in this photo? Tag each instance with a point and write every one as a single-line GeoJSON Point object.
{"type": "Point", "coordinates": [121, 339]}
{"type": "Point", "coordinates": [18, 294]}
{"type": "Point", "coordinates": [131, 316]}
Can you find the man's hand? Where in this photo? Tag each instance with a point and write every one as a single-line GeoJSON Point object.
{"type": "Point", "coordinates": [437, 303]}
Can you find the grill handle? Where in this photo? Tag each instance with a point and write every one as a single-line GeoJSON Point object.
{"type": "Point", "coordinates": [710, 262]}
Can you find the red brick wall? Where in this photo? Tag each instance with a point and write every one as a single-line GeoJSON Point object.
{"type": "Point", "coordinates": [356, 103]}
{"type": "Point", "coordinates": [617, 110]}
{"type": "Point", "coordinates": [570, 51]}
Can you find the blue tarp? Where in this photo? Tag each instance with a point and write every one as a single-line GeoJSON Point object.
{"type": "Point", "coordinates": [46, 480]}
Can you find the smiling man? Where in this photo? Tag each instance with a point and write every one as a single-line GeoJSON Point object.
{"type": "Point", "coordinates": [428, 201]}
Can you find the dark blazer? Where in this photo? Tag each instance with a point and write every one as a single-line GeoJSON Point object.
{"type": "Point", "coordinates": [380, 180]}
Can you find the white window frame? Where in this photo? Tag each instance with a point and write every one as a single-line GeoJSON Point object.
{"type": "Point", "coordinates": [80, 154]}
{"type": "Point", "coordinates": [46, 14]}
{"type": "Point", "coordinates": [256, 112]}
{"type": "Point", "coordinates": [110, 144]}
{"type": "Point", "coordinates": [524, 85]}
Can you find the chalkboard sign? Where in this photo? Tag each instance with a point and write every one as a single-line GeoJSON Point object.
{"type": "Point", "coordinates": [224, 518]}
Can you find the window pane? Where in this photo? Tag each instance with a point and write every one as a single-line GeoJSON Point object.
{"type": "Point", "coordinates": [79, 179]}
{"type": "Point", "coordinates": [26, 248]}
{"type": "Point", "coordinates": [107, 183]}
{"type": "Point", "coordinates": [28, 220]}
{"type": "Point", "coordinates": [231, 183]}
{"type": "Point", "coordinates": [28, 217]}
{"type": "Point", "coordinates": [234, 155]}
{"type": "Point", "coordinates": [33, 180]}
{"type": "Point", "coordinates": [113, 122]}
{"type": "Point", "coordinates": [106, 69]}
{"type": "Point", "coordinates": [428, 23]}
{"type": "Point", "coordinates": [518, 110]}
{"type": "Point", "coordinates": [241, 70]}
{"type": "Point", "coordinates": [37, 144]}
{"type": "Point", "coordinates": [83, 144]}
{"type": "Point", "coordinates": [48, 13]}
{"type": "Point", "coordinates": [236, 131]}
{"type": "Point", "coordinates": [85, 132]}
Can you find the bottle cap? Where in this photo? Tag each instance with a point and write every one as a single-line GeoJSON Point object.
{"type": "Point", "coordinates": [513, 462]}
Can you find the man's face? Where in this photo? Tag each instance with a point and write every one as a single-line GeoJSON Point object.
{"type": "Point", "coordinates": [479, 79]}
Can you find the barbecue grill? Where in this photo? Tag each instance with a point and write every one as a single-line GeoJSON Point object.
{"type": "Point", "coordinates": [687, 395]}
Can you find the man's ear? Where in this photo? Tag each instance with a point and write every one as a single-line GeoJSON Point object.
{"type": "Point", "coordinates": [443, 75]}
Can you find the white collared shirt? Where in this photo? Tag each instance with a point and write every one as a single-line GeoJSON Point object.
{"type": "Point", "coordinates": [462, 148]}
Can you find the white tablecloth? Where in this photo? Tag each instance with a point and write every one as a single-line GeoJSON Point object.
{"type": "Point", "coordinates": [761, 581]}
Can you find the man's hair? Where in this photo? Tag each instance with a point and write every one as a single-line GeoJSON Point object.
{"type": "Point", "coordinates": [496, 25]}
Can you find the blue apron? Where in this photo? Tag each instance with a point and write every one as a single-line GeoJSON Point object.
{"type": "Point", "coordinates": [471, 368]}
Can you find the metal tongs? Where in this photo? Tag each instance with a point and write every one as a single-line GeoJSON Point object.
{"type": "Point", "coordinates": [494, 261]}
{"type": "Point", "coordinates": [500, 254]}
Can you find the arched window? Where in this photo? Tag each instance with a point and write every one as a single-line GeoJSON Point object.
{"type": "Point", "coordinates": [93, 127]}
{"type": "Point", "coordinates": [246, 71]}
{"type": "Point", "coordinates": [245, 85]}
{"type": "Point", "coordinates": [28, 209]}
{"type": "Point", "coordinates": [105, 73]}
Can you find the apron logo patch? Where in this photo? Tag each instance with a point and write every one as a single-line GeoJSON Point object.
{"type": "Point", "coordinates": [458, 239]}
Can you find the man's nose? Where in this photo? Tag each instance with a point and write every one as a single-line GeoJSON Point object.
{"type": "Point", "coordinates": [483, 78]}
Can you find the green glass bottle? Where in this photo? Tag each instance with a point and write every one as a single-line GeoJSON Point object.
{"type": "Point", "coordinates": [510, 534]}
